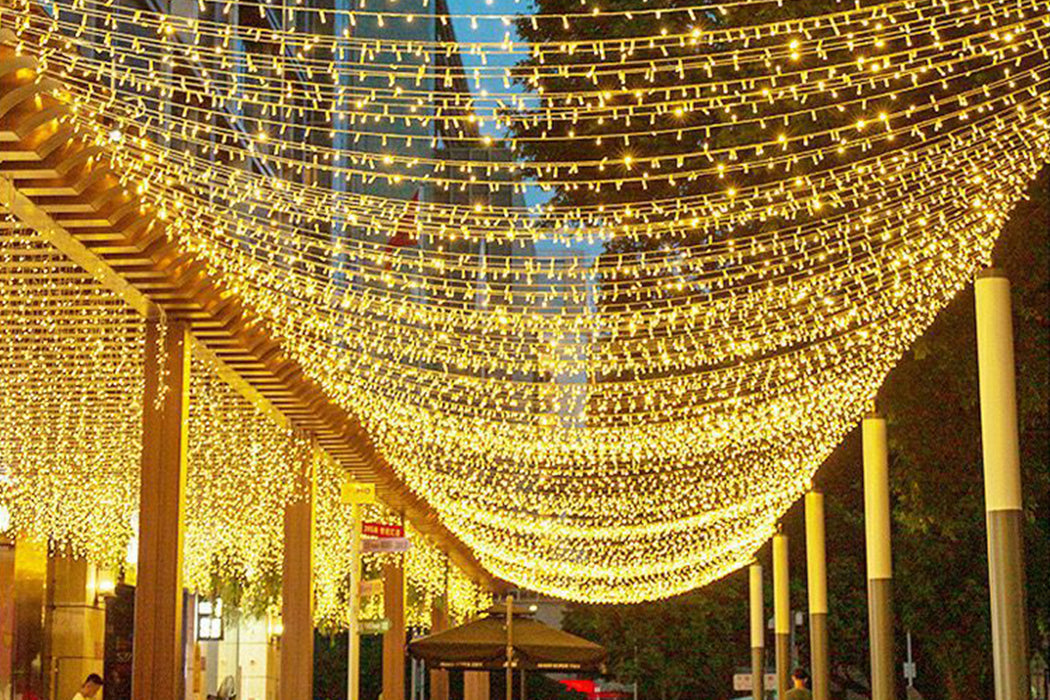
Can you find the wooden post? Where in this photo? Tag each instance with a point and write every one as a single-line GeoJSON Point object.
{"type": "Point", "coordinates": [394, 638]}
{"type": "Point", "coordinates": [439, 685]}
{"type": "Point", "coordinates": [476, 685]}
{"type": "Point", "coordinates": [7, 618]}
{"type": "Point", "coordinates": [297, 593]}
{"type": "Point", "coordinates": [157, 652]}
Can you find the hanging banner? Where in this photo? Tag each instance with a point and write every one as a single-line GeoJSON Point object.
{"type": "Point", "coordinates": [382, 530]}
{"type": "Point", "coordinates": [386, 545]}
{"type": "Point", "coordinates": [356, 492]}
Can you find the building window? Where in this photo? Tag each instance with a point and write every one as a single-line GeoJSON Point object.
{"type": "Point", "coordinates": [209, 620]}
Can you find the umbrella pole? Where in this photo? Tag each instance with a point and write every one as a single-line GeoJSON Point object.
{"type": "Point", "coordinates": [510, 648]}
{"type": "Point", "coordinates": [521, 675]}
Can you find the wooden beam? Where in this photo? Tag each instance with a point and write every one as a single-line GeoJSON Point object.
{"type": "Point", "coordinates": [26, 211]}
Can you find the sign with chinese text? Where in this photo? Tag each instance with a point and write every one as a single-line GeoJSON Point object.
{"type": "Point", "coordinates": [382, 530]}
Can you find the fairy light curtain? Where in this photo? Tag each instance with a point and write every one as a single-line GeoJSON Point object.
{"type": "Point", "coordinates": [606, 281]}
{"type": "Point", "coordinates": [71, 382]}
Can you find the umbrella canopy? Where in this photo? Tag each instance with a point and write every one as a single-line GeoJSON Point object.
{"type": "Point", "coordinates": [482, 644]}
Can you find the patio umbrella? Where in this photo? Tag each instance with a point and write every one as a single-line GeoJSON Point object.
{"type": "Point", "coordinates": [486, 643]}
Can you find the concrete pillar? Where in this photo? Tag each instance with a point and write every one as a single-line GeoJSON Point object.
{"type": "Point", "coordinates": [758, 632]}
{"type": "Point", "coordinates": [1002, 486]}
{"type": "Point", "coordinates": [157, 654]}
{"type": "Point", "coordinates": [439, 684]}
{"type": "Point", "coordinates": [475, 685]}
{"type": "Point", "coordinates": [394, 638]}
{"type": "Point", "coordinates": [76, 624]}
{"type": "Point", "coordinates": [297, 591]}
{"type": "Point", "coordinates": [817, 587]}
{"type": "Point", "coordinates": [782, 613]}
{"type": "Point", "coordinates": [879, 559]}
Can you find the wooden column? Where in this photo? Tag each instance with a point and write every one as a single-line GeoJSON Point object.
{"type": "Point", "coordinates": [439, 686]}
{"type": "Point", "coordinates": [394, 638]}
{"type": "Point", "coordinates": [297, 590]}
{"type": "Point", "coordinates": [7, 618]}
{"type": "Point", "coordinates": [157, 652]}
{"type": "Point", "coordinates": [475, 685]}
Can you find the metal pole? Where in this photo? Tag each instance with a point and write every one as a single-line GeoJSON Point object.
{"type": "Point", "coordinates": [880, 567]}
{"type": "Point", "coordinates": [781, 612]}
{"type": "Point", "coordinates": [353, 666]}
{"type": "Point", "coordinates": [1002, 485]}
{"type": "Point", "coordinates": [758, 641]}
{"type": "Point", "coordinates": [510, 648]}
{"type": "Point", "coordinates": [817, 580]}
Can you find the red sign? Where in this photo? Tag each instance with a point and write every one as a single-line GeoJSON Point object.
{"type": "Point", "coordinates": [382, 530]}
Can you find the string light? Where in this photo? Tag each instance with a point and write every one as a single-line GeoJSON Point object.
{"type": "Point", "coordinates": [71, 413]}
{"type": "Point", "coordinates": [605, 294]}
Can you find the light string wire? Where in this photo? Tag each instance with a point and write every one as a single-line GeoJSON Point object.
{"type": "Point", "coordinates": [604, 295]}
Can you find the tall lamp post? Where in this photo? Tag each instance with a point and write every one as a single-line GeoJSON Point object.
{"type": "Point", "coordinates": [758, 641]}
{"type": "Point", "coordinates": [781, 612]}
{"type": "Point", "coordinates": [510, 647]}
{"type": "Point", "coordinates": [817, 586]}
{"type": "Point", "coordinates": [1002, 485]}
{"type": "Point", "coordinates": [880, 567]}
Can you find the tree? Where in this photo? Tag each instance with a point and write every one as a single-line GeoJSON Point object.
{"type": "Point", "coordinates": [685, 647]}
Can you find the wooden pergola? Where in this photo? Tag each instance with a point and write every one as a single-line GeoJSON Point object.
{"type": "Point", "coordinates": [64, 189]}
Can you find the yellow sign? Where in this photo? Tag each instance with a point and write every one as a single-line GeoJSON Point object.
{"type": "Point", "coordinates": [351, 492]}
